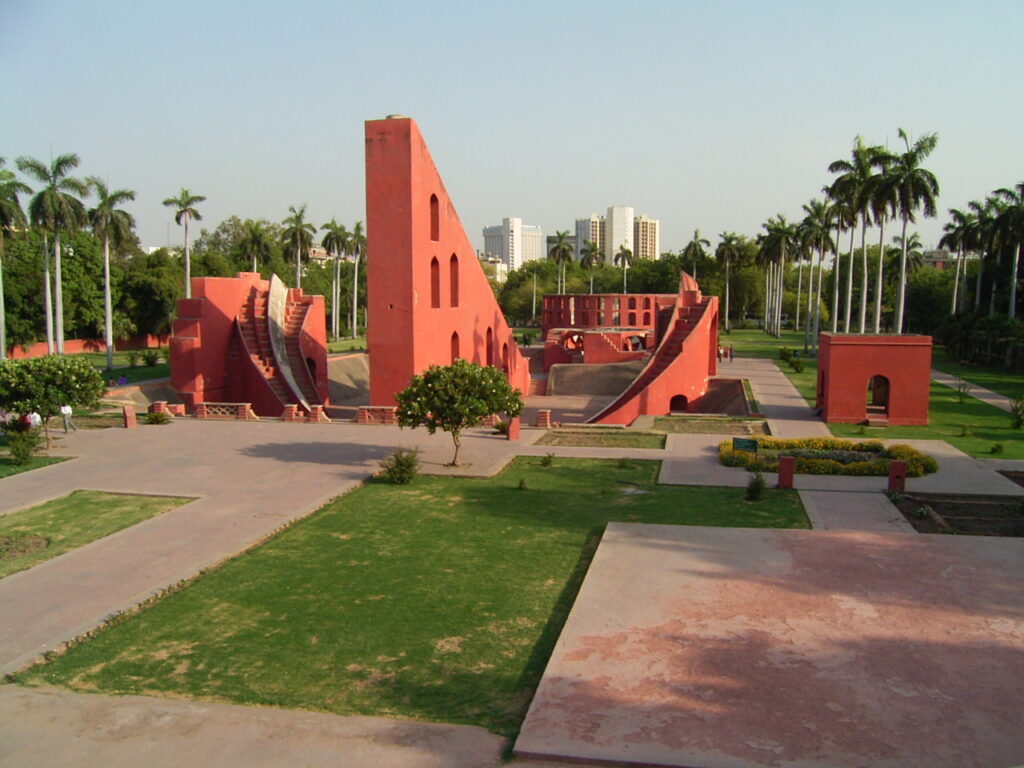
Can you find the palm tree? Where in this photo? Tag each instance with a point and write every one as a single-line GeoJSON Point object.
{"type": "Point", "coordinates": [813, 234]}
{"type": "Point", "coordinates": [590, 256]}
{"type": "Point", "coordinates": [776, 242]}
{"type": "Point", "coordinates": [956, 234]}
{"type": "Point", "coordinates": [297, 238]}
{"type": "Point", "coordinates": [357, 247]}
{"type": "Point", "coordinates": [561, 254]}
{"type": "Point", "coordinates": [912, 187]}
{"type": "Point", "coordinates": [113, 225]}
{"type": "Point", "coordinates": [624, 257]}
{"type": "Point", "coordinates": [855, 186]}
{"type": "Point", "coordinates": [336, 242]}
{"type": "Point", "coordinates": [696, 249]}
{"type": "Point", "coordinates": [882, 204]}
{"type": "Point", "coordinates": [11, 217]}
{"type": "Point", "coordinates": [1010, 224]}
{"type": "Point", "coordinates": [728, 250]}
{"type": "Point", "coordinates": [56, 207]}
{"type": "Point", "coordinates": [185, 209]}
{"type": "Point", "coordinates": [255, 243]}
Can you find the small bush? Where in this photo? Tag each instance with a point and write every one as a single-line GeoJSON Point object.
{"type": "Point", "coordinates": [151, 357]}
{"type": "Point", "coordinates": [755, 487]}
{"type": "Point", "coordinates": [785, 354]}
{"type": "Point", "coordinates": [134, 357]}
{"type": "Point", "coordinates": [400, 467]}
{"type": "Point", "coordinates": [160, 417]}
{"type": "Point", "coordinates": [22, 441]}
{"type": "Point", "coordinates": [797, 365]}
{"type": "Point", "coordinates": [623, 464]}
{"type": "Point", "coordinates": [963, 388]}
{"type": "Point", "coordinates": [547, 459]}
{"type": "Point", "coordinates": [996, 448]}
{"type": "Point", "coordinates": [1017, 413]}
{"type": "Point", "coordinates": [501, 427]}
{"type": "Point", "coordinates": [522, 484]}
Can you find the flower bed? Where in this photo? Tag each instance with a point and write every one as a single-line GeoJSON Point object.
{"type": "Point", "coordinates": [827, 456]}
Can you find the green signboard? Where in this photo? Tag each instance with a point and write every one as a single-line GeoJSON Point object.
{"type": "Point", "coordinates": [744, 444]}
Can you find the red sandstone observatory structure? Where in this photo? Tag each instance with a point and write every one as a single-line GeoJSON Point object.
{"type": "Point", "coordinates": [243, 340]}
{"type": "Point", "coordinates": [877, 380]}
{"type": "Point", "coordinates": [428, 298]}
{"type": "Point", "coordinates": [676, 333]}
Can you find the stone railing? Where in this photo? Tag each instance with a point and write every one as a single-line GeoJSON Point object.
{"type": "Point", "coordinates": [234, 411]}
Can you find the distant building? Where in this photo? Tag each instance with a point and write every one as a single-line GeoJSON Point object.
{"type": "Point", "coordinates": [514, 243]}
{"type": "Point", "coordinates": [940, 259]}
{"type": "Point", "coordinates": [620, 226]}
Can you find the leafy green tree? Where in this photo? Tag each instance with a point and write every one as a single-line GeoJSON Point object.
{"type": "Point", "coordinates": [297, 238]}
{"type": "Point", "coordinates": [591, 256]}
{"type": "Point", "coordinates": [113, 225]}
{"type": "Point", "coordinates": [44, 384]}
{"type": "Point", "coordinates": [12, 217]}
{"type": "Point", "coordinates": [728, 251]}
{"type": "Point", "coordinates": [184, 206]}
{"type": "Point", "coordinates": [1010, 226]}
{"type": "Point", "coordinates": [455, 397]}
{"type": "Point", "coordinates": [695, 250]}
{"type": "Point", "coordinates": [882, 204]}
{"type": "Point", "coordinates": [255, 243]}
{"type": "Point", "coordinates": [150, 286]}
{"type": "Point", "coordinates": [56, 207]}
{"type": "Point", "coordinates": [912, 187]}
{"type": "Point", "coordinates": [956, 237]}
{"type": "Point", "coordinates": [623, 258]}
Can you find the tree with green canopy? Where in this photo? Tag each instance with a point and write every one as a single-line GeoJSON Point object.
{"type": "Point", "coordinates": [55, 208]}
{"type": "Point", "coordinates": [255, 243]}
{"type": "Point", "coordinates": [297, 238]}
{"type": "Point", "coordinates": [184, 206]}
{"type": "Point", "coordinates": [1010, 227]}
{"type": "Point", "coordinates": [113, 225]}
{"type": "Point", "coordinates": [44, 384]}
{"type": "Point", "coordinates": [12, 218]}
{"type": "Point", "coordinates": [728, 252]}
{"type": "Point", "coordinates": [456, 397]}
{"type": "Point", "coordinates": [561, 253]}
{"type": "Point", "coordinates": [591, 256]}
{"type": "Point", "coordinates": [696, 249]}
{"type": "Point", "coordinates": [623, 258]}
{"type": "Point", "coordinates": [336, 241]}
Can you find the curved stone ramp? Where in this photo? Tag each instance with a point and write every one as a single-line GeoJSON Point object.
{"type": "Point", "coordinates": [348, 379]}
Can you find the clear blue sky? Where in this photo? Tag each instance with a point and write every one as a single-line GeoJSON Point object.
{"type": "Point", "coordinates": [714, 115]}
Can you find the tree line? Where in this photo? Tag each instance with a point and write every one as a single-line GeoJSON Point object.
{"type": "Point", "coordinates": [86, 264]}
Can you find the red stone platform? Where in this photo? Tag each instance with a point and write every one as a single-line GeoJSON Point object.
{"type": "Point", "coordinates": [714, 647]}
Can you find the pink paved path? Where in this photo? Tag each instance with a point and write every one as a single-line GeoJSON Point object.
{"type": "Point", "coordinates": [789, 648]}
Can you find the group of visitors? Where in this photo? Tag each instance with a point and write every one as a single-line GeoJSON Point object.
{"type": "Point", "coordinates": [33, 420]}
{"type": "Point", "coordinates": [726, 353]}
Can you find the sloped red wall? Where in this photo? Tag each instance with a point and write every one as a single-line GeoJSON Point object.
{"type": "Point", "coordinates": [428, 298]}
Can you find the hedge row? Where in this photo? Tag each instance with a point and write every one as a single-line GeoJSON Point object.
{"type": "Point", "coordinates": [874, 464]}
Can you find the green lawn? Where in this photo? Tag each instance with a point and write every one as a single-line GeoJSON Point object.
{"type": "Point", "coordinates": [437, 601]}
{"type": "Point", "coordinates": [73, 521]}
{"type": "Point", "coordinates": [8, 467]}
{"type": "Point", "coordinates": [357, 344]}
{"type": "Point", "coordinates": [1009, 384]}
{"type": "Point", "coordinates": [602, 438]}
{"type": "Point", "coordinates": [753, 342]}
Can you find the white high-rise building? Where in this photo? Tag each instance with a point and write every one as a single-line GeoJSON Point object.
{"type": "Point", "coordinates": [514, 243]}
{"type": "Point", "coordinates": [646, 239]}
{"type": "Point", "coordinates": [618, 230]}
{"type": "Point", "coordinates": [590, 229]}
{"type": "Point", "coordinates": [620, 227]}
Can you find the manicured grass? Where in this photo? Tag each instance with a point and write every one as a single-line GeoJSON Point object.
{"type": "Point", "coordinates": [437, 601]}
{"type": "Point", "coordinates": [140, 373]}
{"type": "Point", "coordinates": [710, 425]}
{"type": "Point", "coordinates": [75, 520]}
{"type": "Point", "coordinates": [8, 467]}
{"type": "Point", "coordinates": [602, 438]}
{"type": "Point", "coordinates": [753, 342]}
{"type": "Point", "coordinates": [1009, 384]}
{"type": "Point", "coordinates": [357, 344]}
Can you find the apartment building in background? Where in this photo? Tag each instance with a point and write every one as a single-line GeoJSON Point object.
{"type": "Point", "coordinates": [620, 226]}
{"type": "Point", "coordinates": [514, 243]}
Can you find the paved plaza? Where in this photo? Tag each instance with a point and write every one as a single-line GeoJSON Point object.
{"type": "Point", "coordinates": [247, 480]}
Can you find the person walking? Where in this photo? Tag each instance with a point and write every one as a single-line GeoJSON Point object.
{"type": "Point", "coordinates": [65, 413]}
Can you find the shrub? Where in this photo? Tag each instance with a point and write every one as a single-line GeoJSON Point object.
{"type": "Point", "coordinates": [963, 388]}
{"type": "Point", "coordinates": [501, 427]}
{"type": "Point", "coordinates": [755, 487]}
{"type": "Point", "coordinates": [1017, 413]}
{"type": "Point", "coordinates": [400, 467]}
{"type": "Point", "coordinates": [996, 448]}
{"type": "Point", "coordinates": [151, 357]}
{"type": "Point", "coordinates": [522, 484]}
{"type": "Point", "coordinates": [797, 365]}
{"type": "Point", "coordinates": [159, 417]}
{"type": "Point", "coordinates": [547, 459]}
{"type": "Point", "coordinates": [785, 354]}
{"type": "Point", "coordinates": [22, 441]}
{"type": "Point", "coordinates": [828, 456]}
{"type": "Point", "coordinates": [133, 357]}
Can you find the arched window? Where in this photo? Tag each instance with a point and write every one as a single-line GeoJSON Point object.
{"type": "Point", "coordinates": [490, 348]}
{"type": "Point", "coordinates": [435, 283]}
{"type": "Point", "coordinates": [504, 357]}
{"type": "Point", "coordinates": [632, 317]}
{"type": "Point", "coordinates": [632, 303]}
{"type": "Point", "coordinates": [453, 278]}
{"type": "Point", "coordinates": [435, 219]}
{"type": "Point", "coordinates": [647, 302]}
{"type": "Point", "coordinates": [455, 346]}
{"type": "Point", "coordinates": [647, 318]}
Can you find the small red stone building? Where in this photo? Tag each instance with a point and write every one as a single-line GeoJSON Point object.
{"type": "Point", "coordinates": [874, 379]}
{"type": "Point", "coordinates": [428, 299]}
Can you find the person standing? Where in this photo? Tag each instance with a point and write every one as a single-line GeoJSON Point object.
{"type": "Point", "coordinates": [65, 413]}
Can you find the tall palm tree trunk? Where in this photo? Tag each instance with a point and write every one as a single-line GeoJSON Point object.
{"type": "Point", "coordinates": [298, 261]}
{"type": "Point", "coordinates": [3, 309]}
{"type": "Point", "coordinates": [727, 326]}
{"type": "Point", "coordinates": [58, 297]}
{"type": "Point", "coordinates": [835, 281]}
{"type": "Point", "coordinates": [767, 297]}
{"type": "Point", "coordinates": [878, 278]}
{"type": "Point", "coordinates": [817, 298]}
{"type": "Point", "coordinates": [591, 278]}
{"type": "Point", "coordinates": [809, 315]}
{"type": "Point", "coordinates": [799, 291]}
{"type": "Point", "coordinates": [108, 320]}
{"type": "Point", "coordinates": [47, 296]}
{"type": "Point", "coordinates": [956, 281]}
{"type": "Point", "coordinates": [977, 287]}
{"type": "Point", "coordinates": [188, 264]}
{"type": "Point", "coordinates": [1012, 311]}
{"type": "Point", "coordinates": [864, 272]}
{"type": "Point", "coordinates": [849, 285]}
{"type": "Point", "coordinates": [355, 296]}
{"type": "Point", "coordinates": [902, 289]}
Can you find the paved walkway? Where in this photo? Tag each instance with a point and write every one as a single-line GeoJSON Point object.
{"type": "Point", "coordinates": [787, 412]}
{"type": "Point", "coordinates": [977, 392]}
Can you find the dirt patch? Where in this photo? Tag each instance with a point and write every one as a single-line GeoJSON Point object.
{"type": "Point", "coordinates": [960, 513]}
{"type": "Point", "coordinates": [18, 544]}
{"type": "Point", "coordinates": [695, 425]}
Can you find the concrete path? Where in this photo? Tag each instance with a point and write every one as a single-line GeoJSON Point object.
{"type": "Point", "coordinates": [787, 412]}
{"type": "Point", "coordinates": [845, 511]}
{"type": "Point", "coordinates": [977, 392]}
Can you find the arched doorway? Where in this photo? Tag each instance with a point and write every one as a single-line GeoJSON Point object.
{"type": "Point", "coordinates": [878, 396]}
{"type": "Point", "coordinates": [435, 283]}
{"type": "Point", "coordinates": [455, 346]}
{"type": "Point", "coordinates": [679, 404]}
{"type": "Point", "coordinates": [489, 360]}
